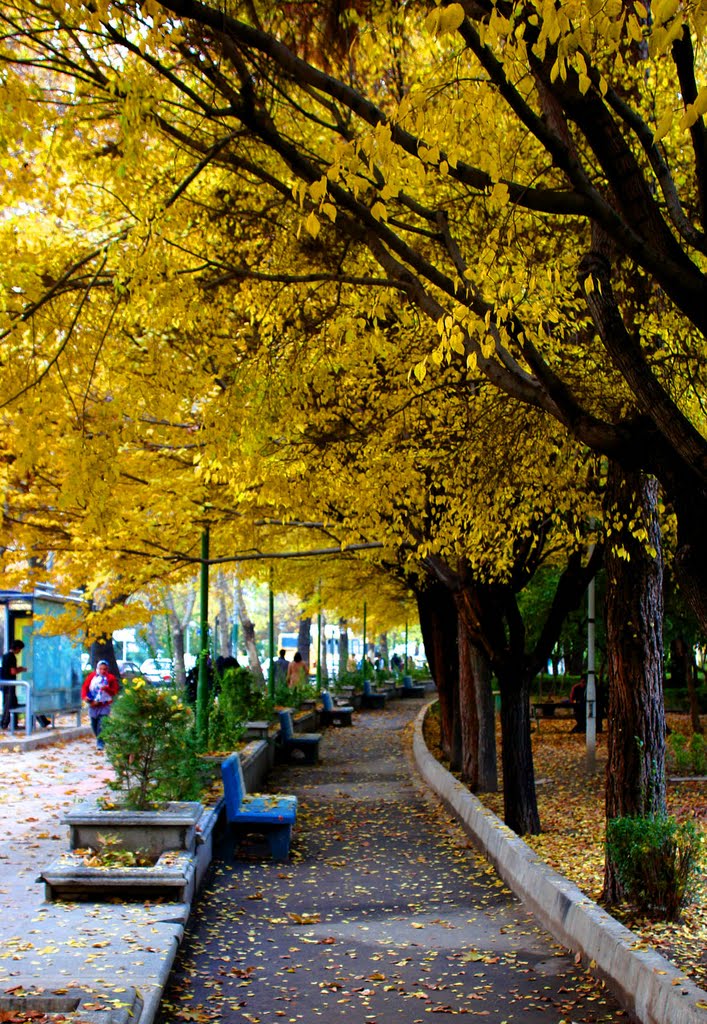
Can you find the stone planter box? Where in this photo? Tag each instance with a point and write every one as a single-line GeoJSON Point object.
{"type": "Point", "coordinates": [172, 878]}
{"type": "Point", "coordinates": [171, 827]}
{"type": "Point", "coordinates": [351, 695]}
{"type": "Point", "coordinates": [97, 1006]}
{"type": "Point", "coordinates": [257, 759]}
{"type": "Point", "coordinates": [180, 834]}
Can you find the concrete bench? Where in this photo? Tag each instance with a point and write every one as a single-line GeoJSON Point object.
{"type": "Point", "coordinates": [554, 709]}
{"type": "Point", "coordinates": [410, 689]}
{"type": "Point", "coordinates": [271, 816]}
{"type": "Point", "coordinates": [372, 699]}
{"type": "Point", "coordinates": [334, 714]}
{"type": "Point", "coordinates": [302, 746]}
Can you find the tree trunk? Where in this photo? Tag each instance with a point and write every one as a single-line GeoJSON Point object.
{"type": "Point", "coordinates": [343, 646]}
{"type": "Point", "coordinates": [178, 625]}
{"type": "Point", "coordinates": [635, 779]}
{"type": "Point", "coordinates": [520, 806]}
{"type": "Point", "coordinates": [102, 649]}
{"type": "Point", "coordinates": [692, 694]}
{"type": "Point", "coordinates": [248, 628]}
{"type": "Point", "coordinates": [304, 639]}
{"type": "Point", "coordinates": [383, 648]}
{"type": "Point", "coordinates": [439, 624]}
{"type": "Point", "coordinates": [223, 638]}
{"type": "Point", "coordinates": [486, 716]}
{"type": "Point", "coordinates": [468, 714]}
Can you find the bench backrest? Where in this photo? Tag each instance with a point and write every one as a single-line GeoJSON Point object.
{"type": "Point", "coordinates": [327, 701]}
{"type": "Point", "coordinates": [286, 727]}
{"type": "Point", "coordinates": [367, 687]}
{"type": "Point", "coordinates": [233, 784]}
{"type": "Point", "coordinates": [407, 682]}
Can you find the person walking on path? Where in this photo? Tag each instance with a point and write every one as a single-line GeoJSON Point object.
{"type": "Point", "coordinates": [296, 672]}
{"type": "Point", "coordinates": [384, 914]}
{"type": "Point", "coordinates": [98, 690]}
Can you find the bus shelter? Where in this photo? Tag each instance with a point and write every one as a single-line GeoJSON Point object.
{"type": "Point", "coordinates": [52, 682]}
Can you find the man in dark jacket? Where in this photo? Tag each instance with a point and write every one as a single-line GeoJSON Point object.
{"type": "Point", "coordinates": [9, 672]}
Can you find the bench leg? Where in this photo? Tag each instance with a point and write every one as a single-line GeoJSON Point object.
{"type": "Point", "coordinates": [279, 842]}
{"type": "Point", "coordinates": [304, 753]}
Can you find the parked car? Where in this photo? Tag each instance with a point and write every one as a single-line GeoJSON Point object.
{"type": "Point", "coordinates": [157, 671]}
{"type": "Point", "coordinates": [129, 669]}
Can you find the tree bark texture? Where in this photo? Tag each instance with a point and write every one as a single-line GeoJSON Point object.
{"type": "Point", "coordinates": [343, 646]}
{"type": "Point", "coordinates": [439, 624]}
{"type": "Point", "coordinates": [635, 779]}
{"type": "Point", "coordinates": [248, 628]}
{"type": "Point", "coordinates": [486, 716]}
{"type": "Point", "coordinates": [468, 714]}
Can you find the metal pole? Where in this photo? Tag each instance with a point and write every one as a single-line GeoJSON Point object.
{"type": "Point", "coordinates": [591, 680]}
{"type": "Point", "coordinates": [405, 670]}
{"type": "Point", "coordinates": [271, 609]}
{"type": "Point", "coordinates": [202, 689]}
{"type": "Point", "coordinates": [319, 647]}
{"type": "Point", "coordinates": [364, 660]}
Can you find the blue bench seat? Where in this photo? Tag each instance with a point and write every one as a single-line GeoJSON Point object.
{"type": "Point", "coordinates": [297, 746]}
{"type": "Point", "coordinates": [334, 714]}
{"type": "Point", "coordinates": [270, 815]}
{"type": "Point", "coordinates": [410, 689]}
{"type": "Point", "coordinates": [371, 698]}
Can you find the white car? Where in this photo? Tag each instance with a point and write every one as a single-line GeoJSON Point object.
{"type": "Point", "coordinates": [157, 671]}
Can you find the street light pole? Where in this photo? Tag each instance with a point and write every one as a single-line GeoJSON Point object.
{"type": "Point", "coordinates": [202, 689]}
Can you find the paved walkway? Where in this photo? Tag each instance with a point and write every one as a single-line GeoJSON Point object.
{"type": "Point", "coordinates": [385, 913]}
{"type": "Point", "coordinates": [103, 951]}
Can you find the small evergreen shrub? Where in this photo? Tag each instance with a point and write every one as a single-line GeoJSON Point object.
{"type": "Point", "coordinates": [294, 696]}
{"type": "Point", "coordinates": [689, 757]}
{"type": "Point", "coordinates": [150, 743]}
{"type": "Point", "coordinates": [353, 678]}
{"type": "Point", "coordinates": [656, 861]}
{"type": "Point", "coordinates": [239, 700]}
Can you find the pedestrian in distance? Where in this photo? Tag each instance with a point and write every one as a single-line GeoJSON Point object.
{"type": "Point", "coordinates": [98, 690]}
{"type": "Point", "coordinates": [281, 668]}
{"type": "Point", "coordinates": [296, 672]}
{"type": "Point", "coordinates": [10, 671]}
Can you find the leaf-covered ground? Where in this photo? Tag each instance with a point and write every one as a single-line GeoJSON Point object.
{"type": "Point", "coordinates": [571, 805]}
{"type": "Point", "coordinates": [383, 915]}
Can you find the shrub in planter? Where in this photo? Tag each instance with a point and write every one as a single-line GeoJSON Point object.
{"type": "Point", "coordinates": [656, 860]}
{"type": "Point", "coordinates": [238, 701]}
{"type": "Point", "coordinates": [150, 742]}
{"type": "Point", "coordinates": [354, 679]}
{"type": "Point", "coordinates": [294, 696]}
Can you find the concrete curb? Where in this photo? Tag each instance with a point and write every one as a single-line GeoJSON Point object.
{"type": "Point", "coordinates": [645, 983]}
{"type": "Point", "coordinates": [20, 741]}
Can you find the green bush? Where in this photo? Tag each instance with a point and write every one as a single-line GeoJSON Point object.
{"type": "Point", "coordinates": [688, 756]}
{"type": "Point", "coordinates": [656, 861]}
{"type": "Point", "coordinates": [238, 701]}
{"type": "Point", "coordinates": [354, 678]}
{"type": "Point", "coordinates": [150, 742]}
{"type": "Point", "coordinates": [294, 696]}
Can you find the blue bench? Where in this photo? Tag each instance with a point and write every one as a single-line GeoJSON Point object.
{"type": "Point", "coordinates": [300, 746]}
{"type": "Point", "coordinates": [271, 816]}
{"type": "Point", "coordinates": [333, 714]}
{"type": "Point", "coordinates": [370, 698]}
{"type": "Point", "coordinates": [410, 689]}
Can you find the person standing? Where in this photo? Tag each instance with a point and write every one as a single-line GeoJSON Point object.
{"type": "Point", "coordinates": [296, 672]}
{"type": "Point", "coordinates": [281, 668]}
{"type": "Point", "coordinates": [9, 672]}
{"type": "Point", "coordinates": [98, 690]}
